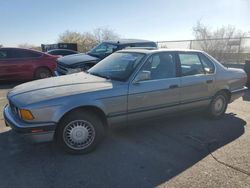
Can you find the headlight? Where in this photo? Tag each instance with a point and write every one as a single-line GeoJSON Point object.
{"type": "Point", "coordinates": [26, 114]}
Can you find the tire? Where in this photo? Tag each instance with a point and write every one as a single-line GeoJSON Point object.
{"type": "Point", "coordinates": [80, 132]}
{"type": "Point", "coordinates": [218, 105]}
{"type": "Point", "coordinates": [42, 73]}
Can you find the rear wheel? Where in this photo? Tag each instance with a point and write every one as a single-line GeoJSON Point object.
{"type": "Point", "coordinates": [218, 105]}
{"type": "Point", "coordinates": [42, 73]}
{"type": "Point", "coordinates": [80, 132]}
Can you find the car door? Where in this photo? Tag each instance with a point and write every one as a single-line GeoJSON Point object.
{"type": "Point", "coordinates": [196, 83]}
{"type": "Point", "coordinates": [10, 65]}
{"type": "Point", "coordinates": [24, 62]}
{"type": "Point", "coordinates": [5, 71]}
{"type": "Point", "coordinates": [158, 94]}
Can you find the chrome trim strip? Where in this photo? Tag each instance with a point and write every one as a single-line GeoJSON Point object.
{"type": "Point", "coordinates": [155, 107]}
{"type": "Point", "coordinates": [239, 90]}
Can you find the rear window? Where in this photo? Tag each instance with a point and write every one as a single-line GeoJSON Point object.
{"type": "Point", "coordinates": [190, 64]}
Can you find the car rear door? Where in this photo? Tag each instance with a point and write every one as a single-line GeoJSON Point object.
{"type": "Point", "coordinates": [158, 95]}
{"type": "Point", "coordinates": [196, 84]}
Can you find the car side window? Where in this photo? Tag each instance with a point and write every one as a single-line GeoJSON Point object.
{"type": "Point", "coordinates": [55, 52]}
{"type": "Point", "coordinates": [207, 64]}
{"type": "Point", "coordinates": [190, 64]}
{"type": "Point", "coordinates": [68, 53]}
{"type": "Point", "coordinates": [105, 48]}
{"type": "Point", "coordinates": [3, 54]}
{"type": "Point", "coordinates": [161, 66]}
{"type": "Point", "coordinates": [24, 54]}
{"type": "Point", "coordinates": [145, 44]}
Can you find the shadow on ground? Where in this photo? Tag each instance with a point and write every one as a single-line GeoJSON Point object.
{"type": "Point", "coordinates": [9, 84]}
{"type": "Point", "coordinates": [144, 155]}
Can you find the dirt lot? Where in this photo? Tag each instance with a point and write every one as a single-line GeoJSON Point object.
{"type": "Point", "coordinates": [174, 152]}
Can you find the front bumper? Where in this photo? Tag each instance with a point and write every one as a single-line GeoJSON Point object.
{"type": "Point", "coordinates": [38, 132]}
{"type": "Point", "coordinates": [235, 94]}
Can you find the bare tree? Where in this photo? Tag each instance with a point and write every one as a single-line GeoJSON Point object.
{"type": "Point", "coordinates": [87, 40]}
{"type": "Point", "coordinates": [104, 33]}
{"type": "Point", "coordinates": [220, 42]}
{"type": "Point", "coordinates": [70, 37]}
{"type": "Point", "coordinates": [29, 46]}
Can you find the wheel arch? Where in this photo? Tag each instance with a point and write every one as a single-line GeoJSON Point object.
{"type": "Point", "coordinates": [226, 91]}
{"type": "Point", "coordinates": [90, 108]}
{"type": "Point", "coordinates": [41, 67]}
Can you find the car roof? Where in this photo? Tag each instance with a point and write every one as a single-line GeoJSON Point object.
{"type": "Point", "coordinates": [128, 41]}
{"type": "Point", "coordinates": [69, 50]}
{"type": "Point", "coordinates": [155, 50]}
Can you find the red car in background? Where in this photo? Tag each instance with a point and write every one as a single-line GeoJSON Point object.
{"type": "Point", "coordinates": [25, 64]}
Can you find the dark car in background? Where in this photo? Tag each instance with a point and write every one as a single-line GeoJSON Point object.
{"type": "Point", "coordinates": [25, 64]}
{"type": "Point", "coordinates": [61, 52]}
{"type": "Point", "coordinates": [82, 61]}
{"type": "Point", "coordinates": [247, 70]}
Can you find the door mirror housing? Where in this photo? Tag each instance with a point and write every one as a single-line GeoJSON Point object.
{"type": "Point", "coordinates": [208, 70]}
{"type": "Point", "coordinates": [142, 76]}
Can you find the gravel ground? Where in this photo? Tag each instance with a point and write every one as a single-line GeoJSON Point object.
{"type": "Point", "coordinates": [183, 151]}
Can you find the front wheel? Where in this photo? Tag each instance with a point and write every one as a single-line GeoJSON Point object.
{"type": "Point", "coordinates": [42, 73]}
{"type": "Point", "coordinates": [218, 105]}
{"type": "Point", "coordinates": [80, 132]}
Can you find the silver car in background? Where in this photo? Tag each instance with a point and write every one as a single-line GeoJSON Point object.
{"type": "Point", "coordinates": [127, 86]}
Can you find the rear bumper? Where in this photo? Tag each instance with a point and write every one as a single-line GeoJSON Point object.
{"type": "Point", "coordinates": [38, 132]}
{"type": "Point", "coordinates": [235, 94]}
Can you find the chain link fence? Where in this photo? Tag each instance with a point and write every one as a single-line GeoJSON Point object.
{"type": "Point", "coordinates": [226, 50]}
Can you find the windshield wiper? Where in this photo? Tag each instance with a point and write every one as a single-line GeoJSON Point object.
{"type": "Point", "coordinates": [100, 75]}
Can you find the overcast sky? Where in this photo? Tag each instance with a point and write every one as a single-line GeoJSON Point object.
{"type": "Point", "coordinates": [41, 21]}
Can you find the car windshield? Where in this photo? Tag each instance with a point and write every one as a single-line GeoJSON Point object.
{"type": "Point", "coordinates": [117, 66]}
{"type": "Point", "coordinates": [103, 49]}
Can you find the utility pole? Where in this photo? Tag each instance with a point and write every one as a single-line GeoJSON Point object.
{"type": "Point", "coordinates": [190, 46]}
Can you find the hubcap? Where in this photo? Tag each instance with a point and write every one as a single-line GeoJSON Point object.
{"type": "Point", "coordinates": [44, 75]}
{"type": "Point", "coordinates": [219, 105]}
{"type": "Point", "coordinates": [79, 134]}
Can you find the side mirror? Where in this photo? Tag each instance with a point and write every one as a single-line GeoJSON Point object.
{"type": "Point", "coordinates": [141, 76]}
{"type": "Point", "coordinates": [208, 70]}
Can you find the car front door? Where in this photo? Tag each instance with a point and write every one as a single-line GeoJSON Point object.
{"type": "Point", "coordinates": [157, 94]}
{"type": "Point", "coordinates": [24, 62]}
{"type": "Point", "coordinates": [196, 82]}
{"type": "Point", "coordinates": [9, 67]}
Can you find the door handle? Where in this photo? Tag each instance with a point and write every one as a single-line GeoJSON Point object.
{"type": "Point", "coordinates": [173, 86]}
{"type": "Point", "coordinates": [209, 81]}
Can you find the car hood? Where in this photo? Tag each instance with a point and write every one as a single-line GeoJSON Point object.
{"type": "Point", "coordinates": [77, 58]}
{"type": "Point", "coordinates": [56, 87]}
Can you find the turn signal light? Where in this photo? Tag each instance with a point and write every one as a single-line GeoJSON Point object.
{"type": "Point", "coordinates": [26, 114]}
